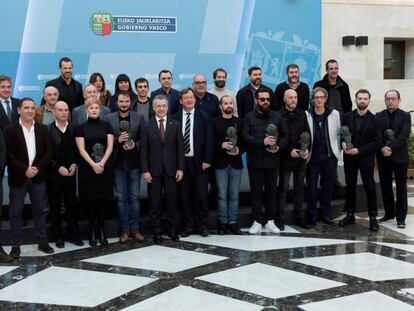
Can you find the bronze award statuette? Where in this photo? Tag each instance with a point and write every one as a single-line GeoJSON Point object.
{"type": "Point", "coordinates": [124, 126]}
{"type": "Point", "coordinates": [389, 137]}
{"type": "Point", "coordinates": [346, 137]}
{"type": "Point", "coordinates": [232, 138]}
{"type": "Point", "coordinates": [304, 143]}
{"type": "Point", "coordinates": [272, 130]}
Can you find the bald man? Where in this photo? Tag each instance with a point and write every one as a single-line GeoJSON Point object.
{"type": "Point", "coordinates": [205, 101]}
{"type": "Point", "coordinates": [292, 160]}
{"type": "Point", "coordinates": [44, 113]}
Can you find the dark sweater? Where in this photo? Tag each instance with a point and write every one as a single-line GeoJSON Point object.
{"type": "Point", "coordinates": [302, 91]}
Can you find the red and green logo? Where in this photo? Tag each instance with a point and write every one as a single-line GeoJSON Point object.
{"type": "Point", "coordinates": [101, 24]}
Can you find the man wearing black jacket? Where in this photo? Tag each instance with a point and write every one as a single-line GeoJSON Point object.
{"type": "Point", "coordinates": [246, 95]}
{"type": "Point", "coordinates": [263, 153]}
{"type": "Point", "coordinates": [228, 166]}
{"type": "Point", "coordinates": [366, 139]}
{"type": "Point", "coordinates": [292, 160]}
{"type": "Point", "coordinates": [393, 157]}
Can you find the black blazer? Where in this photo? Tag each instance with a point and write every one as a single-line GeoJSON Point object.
{"type": "Point", "coordinates": [203, 137]}
{"type": "Point", "coordinates": [60, 84]}
{"type": "Point", "coordinates": [17, 159]}
{"type": "Point", "coordinates": [4, 120]}
{"type": "Point", "coordinates": [158, 156]}
{"type": "Point", "coordinates": [402, 129]}
{"type": "Point", "coordinates": [245, 100]}
{"type": "Point", "coordinates": [369, 141]}
{"type": "Point", "coordinates": [3, 154]}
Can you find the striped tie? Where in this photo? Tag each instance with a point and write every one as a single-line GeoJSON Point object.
{"type": "Point", "coordinates": [187, 134]}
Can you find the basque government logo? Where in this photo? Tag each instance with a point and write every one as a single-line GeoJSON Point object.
{"type": "Point", "coordinates": [102, 24]}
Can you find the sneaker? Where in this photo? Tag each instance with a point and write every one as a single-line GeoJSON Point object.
{"type": "Point", "coordinates": [271, 227]}
{"type": "Point", "coordinates": [256, 228]}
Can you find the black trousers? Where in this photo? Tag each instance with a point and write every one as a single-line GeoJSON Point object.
{"type": "Point", "coordinates": [386, 168]}
{"type": "Point", "coordinates": [263, 183]}
{"type": "Point", "coordinates": [59, 188]}
{"type": "Point", "coordinates": [288, 166]}
{"type": "Point", "coordinates": [37, 193]}
{"type": "Point", "coordinates": [194, 195]}
{"type": "Point", "coordinates": [160, 186]}
{"type": "Point", "coordinates": [351, 168]}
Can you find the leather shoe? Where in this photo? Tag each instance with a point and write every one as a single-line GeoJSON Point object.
{"type": "Point", "coordinates": [4, 258]}
{"type": "Point", "coordinates": [347, 220]}
{"type": "Point", "coordinates": [401, 224]}
{"type": "Point", "coordinates": [300, 222]}
{"type": "Point", "coordinates": [59, 243]}
{"type": "Point", "coordinates": [45, 248]}
{"type": "Point", "coordinates": [327, 220]}
{"type": "Point", "coordinates": [385, 218]}
{"type": "Point", "coordinates": [280, 225]}
{"type": "Point", "coordinates": [173, 236]}
{"type": "Point", "coordinates": [204, 232]}
{"type": "Point", "coordinates": [186, 232]}
{"type": "Point", "coordinates": [137, 236]}
{"type": "Point", "coordinates": [373, 224]}
{"type": "Point", "coordinates": [124, 237]}
{"type": "Point", "coordinates": [76, 241]}
{"type": "Point", "coordinates": [15, 252]}
{"type": "Point", "coordinates": [157, 238]}
{"type": "Point", "coordinates": [222, 229]}
{"type": "Point", "coordinates": [233, 228]}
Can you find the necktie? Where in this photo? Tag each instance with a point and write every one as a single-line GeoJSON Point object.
{"type": "Point", "coordinates": [187, 134]}
{"type": "Point", "coordinates": [162, 130]}
{"type": "Point", "coordinates": [8, 110]}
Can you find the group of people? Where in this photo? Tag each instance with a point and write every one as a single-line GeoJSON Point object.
{"type": "Point", "coordinates": [100, 144]}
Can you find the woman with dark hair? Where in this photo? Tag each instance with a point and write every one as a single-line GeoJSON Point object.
{"type": "Point", "coordinates": [103, 94]}
{"type": "Point", "coordinates": [122, 83]}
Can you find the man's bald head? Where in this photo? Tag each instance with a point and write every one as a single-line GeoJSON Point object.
{"type": "Point", "coordinates": [50, 95]}
{"type": "Point", "coordinates": [61, 111]}
{"type": "Point", "coordinates": [291, 99]}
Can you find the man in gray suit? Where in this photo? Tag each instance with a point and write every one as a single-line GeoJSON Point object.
{"type": "Point", "coordinates": [79, 114]}
{"type": "Point", "coordinates": [126, 125]}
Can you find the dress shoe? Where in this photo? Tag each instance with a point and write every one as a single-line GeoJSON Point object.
{"type": "Point", "coordinates": [15, 252]}
{"type": "Point", "coordinates": [373, 224]}
{"type": "Point", "coordinates": [204, 232]}
{"type": "Point", "coordinates": [186, 232]}
{"type": "Point", "coordinates": [327, 220]}
{"type": "Point", "coordinates": [45, 248]}
{"type": "Point", "coordinates": [312, 223]}
{"type": "Point", "coordinates": [102, 237]}
{"type": "Point", "coordinates": [300, 222]}
{"type": "Point", "coordinates": [233, 228]}
{"type": "Point", "coordinates": [401, 224]}
{"type": "Point", "coordinates": [173, 236]}
{"type": "Point", "coordinates": [222, 229]}
{"type": "Point", "coordinates": [338, 184]}
{"type": "Point", "coordinates": [59, 243]}
{"type": "Point", "coordinates": [76, 241]}
{"type": "Point", "coordinates": [157, 238]}
{"type": "Point", "coordinates": [280, 225]}
{"type": "Point", "coordinates": [137, 236]}
{"type": "Point", "coordinates": [4, 258]}
{"type": "Point", "coordinates": [124, 237]}
{"type": "Point", "coordinates": [385, 218]}
{"type": "Point", "coordinates": [347, 220]}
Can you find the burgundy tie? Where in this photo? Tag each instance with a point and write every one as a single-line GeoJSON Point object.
{"type": "Point", "coordinates": [162, 130]}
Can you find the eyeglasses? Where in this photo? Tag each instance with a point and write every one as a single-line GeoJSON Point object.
{"type": "Point", "coordinates": [200, 82]}
{"type": "Point", "coordinates": [319, 97]}
{"type": "Point", "coordinates": [264, 99]}
{"type": "Point", "coordinates": [391, 99]}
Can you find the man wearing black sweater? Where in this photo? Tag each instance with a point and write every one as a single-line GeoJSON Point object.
{"type": "Point", "coordinates": [228, 166]}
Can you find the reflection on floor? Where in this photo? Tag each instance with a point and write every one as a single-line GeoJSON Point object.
{"type": "Point", "coordinates": [326, 268]}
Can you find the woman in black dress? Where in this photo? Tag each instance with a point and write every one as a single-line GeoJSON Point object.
{"type": "Point", "coordinates": [95, 139]}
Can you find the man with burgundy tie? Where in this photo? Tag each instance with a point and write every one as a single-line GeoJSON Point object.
{"type": "Point", "coordinates": [162, 164]}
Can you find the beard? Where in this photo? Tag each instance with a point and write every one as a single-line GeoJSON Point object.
{"type": "Point", "coordinates": [263, 108]}
{"type": "Point", "coordinates": [293, 80]}
{"type": "Point", "coordinates": [228, 110]}
{"type": "Point", "coordinates": [362, 106]}
{"type": "Point", "coordinates": [123, 109]}
{"type": "Point", "coordinates": [220, 84]}
{"type": "Point", "coordinates": [256, 81]}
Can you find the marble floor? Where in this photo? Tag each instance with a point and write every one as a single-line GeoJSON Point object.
{"type": "Point", "coordinates": [326, 268]}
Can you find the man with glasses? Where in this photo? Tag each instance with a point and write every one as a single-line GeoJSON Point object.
{"type": "Point", "coordinates": [392, 158]}
{"type": "Point", "coordinates": [263, 152]}
{"type": "Point", "coordinates": [205, 101]}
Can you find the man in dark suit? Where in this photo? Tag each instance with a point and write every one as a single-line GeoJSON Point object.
{"type": "Point", "coordinates": [366, 139]}
{"type": "Point", "coordinates": [162, 164]}
{"type": "Point", "coordinates": [29, 151]}
{"type": "Point", "coordinates": [198, 148]}
{"type": "Point", "coordinates": [127, 125]}
{"type": "Point", "coordinates": [70, 90]}
{"type": "Point", "coordinates": [8, 107]}
{"type": "Point", "coordinates": [393, 157]}
{"type": "Point", "coordinates": [205, 101]}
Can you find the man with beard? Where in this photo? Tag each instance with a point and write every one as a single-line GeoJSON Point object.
{"type": "Point", "coordinates": [246, 95]}
{"type": "Point", "coordinates": [126, 125]}
{"type": "Point", "coordinates": [292, 161]}
{"type": "Point", "coordinates": [70, 90]}
{"type": "Point", "coordinates": [366, 140]}
{"type": "Point", "coordinates": [292, 83]}
{"type": "Point", "coordinates": [165, 78]}
{"type": "Point", "coordinates": [263, 153]}
{"type": "Point", "coordinates": [228, 167]}
{"type": "Point", "coordinates": [44, 113]}
{"type": "Point", "coordinates": [220, 79]}
{"type": "Point", "coordinates": [205, 101]}
{"type": "Point", "coordinates": [393, 158]}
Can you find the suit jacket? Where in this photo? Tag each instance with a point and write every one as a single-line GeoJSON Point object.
{"type": "Point", "coordinates": [203, 137]}
{"type": "Point", "coordinates": [369, 140]}
{"type": "Point", "coordinates": [158, 156]}
{"type": "Point", "coordinates": [17, 158]}
{"type": "Point", "coordinates": [245, 100]}
{"type": "Point", "coordinates": [4, 120]}
{"type": "Point", "coordinates": [136, 123]}
{"type": "Point", "coordinates": [79, 115]}
{"type": "Point", "coordinates": [3, 155]}
{"type": "Point", "coordinates": [402, 129]}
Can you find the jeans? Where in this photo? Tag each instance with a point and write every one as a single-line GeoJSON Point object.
{"type": "Point", "coordinates": [228, 183]}
{"type": "Point", "coordinates": [127, 183]}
